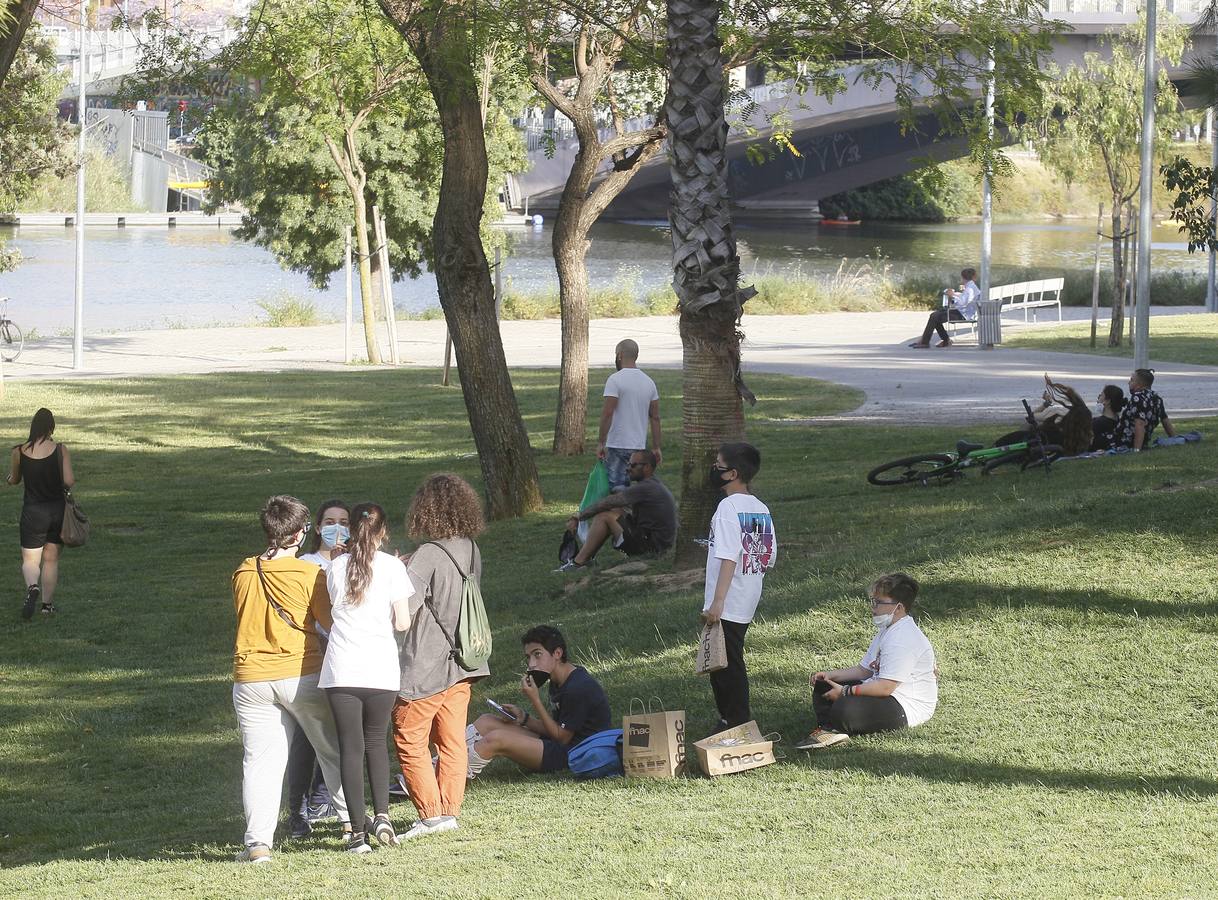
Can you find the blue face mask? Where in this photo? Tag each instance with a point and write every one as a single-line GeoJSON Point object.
{"type": "Point", "coordinates": [334, 534]}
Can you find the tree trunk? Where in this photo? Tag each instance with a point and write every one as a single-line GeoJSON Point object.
{"type": "Point", "coordinates": [706, 268]}
{"type": "Point", "coordinates": [437, 33]}
{"type": "Point", "coordinates": [1116, 328]}
{"type": "Point", "coordinates": [570, 248]}
{"type": "Point", "coordinates": [367, 303]}
{"type": "Point", "coordinates": [15, 19]}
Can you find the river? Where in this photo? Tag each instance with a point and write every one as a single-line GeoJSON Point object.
{"type": "Point", "coordinates": [145, 277]}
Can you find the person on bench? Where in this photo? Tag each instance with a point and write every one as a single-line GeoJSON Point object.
{"type": "Point", "coordinates": [538, 739]}
{"type": "Point", "coordinates": [642, 519]}
{"type": "Point", "coordinates": [963, 308]}
{"type": "Point", "coordinates": [1142, 412]}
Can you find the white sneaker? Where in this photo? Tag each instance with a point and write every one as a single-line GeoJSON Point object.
{"type": "Point", "coordinates": [255, 853]}
{"type": "Point", "coordinates": [430, 826]}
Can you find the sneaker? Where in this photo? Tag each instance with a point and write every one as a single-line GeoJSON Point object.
{"type": "Point", "coordinates": [820, 738]}
{"type": "Point", "coordinates": [946, 342]}
{"type": "Point", "coordinates": [397, 787]}
{"type": "Point", "coordinates": [919, 345]}
{"type": "Point", "coordinates": [319, 813]}
{"type": "Point", "coordinates": [48, 609]}
{"type": "Point", "coordinates": [299, 826]}
{"type": "Point", "coordinates": [570, 566]}
{"type": "Point", "coordinates": [434, 825]}
{"type": "Point", "coordinates": [255, 853]}
{"type": "Point", "coordinates": [357, 844]}
{"type": "Point", "coordinates": [383, 829]}
{"type": "Point", "coordinates": [32, 593]}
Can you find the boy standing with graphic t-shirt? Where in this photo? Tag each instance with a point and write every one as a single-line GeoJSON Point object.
{"type": "Point", "coordinates": [743, 547]}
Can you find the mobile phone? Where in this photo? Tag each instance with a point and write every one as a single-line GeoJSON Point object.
{"type": "Point", "coordinates": [499, 710]}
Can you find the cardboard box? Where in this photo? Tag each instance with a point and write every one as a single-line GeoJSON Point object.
{"type": "Point", "coordinates": [734, 750]}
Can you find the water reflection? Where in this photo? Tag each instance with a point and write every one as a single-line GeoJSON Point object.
{"type": "Point", "coordinates": [162, 277]}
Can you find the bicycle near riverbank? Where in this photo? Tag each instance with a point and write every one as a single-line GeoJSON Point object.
{"type": "Point", "coordinates": [11, 339]}
{"type": "Point", "coordinates": [926, 467]}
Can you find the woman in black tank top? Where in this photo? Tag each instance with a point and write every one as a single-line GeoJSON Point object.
{"type": "Point", "coordinates": [46, 470]}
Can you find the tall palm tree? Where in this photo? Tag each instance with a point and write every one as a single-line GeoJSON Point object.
{"type": "Point", "coordinates": [706, 267]}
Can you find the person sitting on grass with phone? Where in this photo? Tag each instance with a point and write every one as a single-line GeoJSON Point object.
{"type": "Point", "coordinates": [538, 739]}
{"type": "Point", "coordinates": [895, 686]}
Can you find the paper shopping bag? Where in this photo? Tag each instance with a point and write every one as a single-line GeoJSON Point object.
{"type": "Point", "coordinates": [712, 651]}
{"type": "Point", "coordinates": [734, 750]}
{"type": "Point", "coordinates": [653, 742]}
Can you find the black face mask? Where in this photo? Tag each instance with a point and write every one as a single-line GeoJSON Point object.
{"type": "Point", "coordinates": [617, 363]}
{"type": "Point", "coordinates": [539, 677]}
{"type": "Point", "coordinates": [715, 479]}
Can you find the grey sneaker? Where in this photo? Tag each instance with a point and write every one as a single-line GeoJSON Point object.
{"type": "Point", "coordinates": [433, 825]}
{"type": "Point", "coordinates": [298, 826]}
{"type": "Point", "coordinates": [383, 829]}
{"type": "Point", "coordinates": [255, 853]}
{"type": "Point", "coordinates": [570, 566]}
{"type": "Point", "coordinates": [357, 844]}
{"type": "Point", "coordinates": [821, 738]}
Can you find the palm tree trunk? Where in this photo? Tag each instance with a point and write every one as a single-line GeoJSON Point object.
{"type": "Point", "coordinates": [437, 32]}
{"type": "Point", "coordinates": [706, 267]}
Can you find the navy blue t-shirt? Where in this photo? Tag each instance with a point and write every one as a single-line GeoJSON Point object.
{"type": "Point", "coordinates": [580, 705]}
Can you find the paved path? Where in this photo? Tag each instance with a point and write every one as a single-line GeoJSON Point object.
{"type": "Point", "coordinates": [863, 350]}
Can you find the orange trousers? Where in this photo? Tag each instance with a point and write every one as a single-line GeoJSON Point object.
{"type": "Point", "coordinates": [440, 720]}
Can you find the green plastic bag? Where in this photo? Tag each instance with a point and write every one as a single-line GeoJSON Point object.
{"type": "Point", "coordinates": [596, 491]}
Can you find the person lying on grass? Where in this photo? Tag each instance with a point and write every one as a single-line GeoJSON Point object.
{"type": "Point", "coordinates": [538, 740]}
{"type": "Point", "coordinates": [642, 519]}
{"type": "Point", "coordinates": [895, 686]}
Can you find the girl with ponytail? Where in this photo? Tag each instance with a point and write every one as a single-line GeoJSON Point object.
{"type": "Point", "coordinates": [369, 595]}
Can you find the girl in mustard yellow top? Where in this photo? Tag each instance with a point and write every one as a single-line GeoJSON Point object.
{"type": "Point", "coordinates": [277, 660]}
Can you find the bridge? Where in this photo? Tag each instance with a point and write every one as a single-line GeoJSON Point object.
{"type": "Point", "coordinates": [844, 142]}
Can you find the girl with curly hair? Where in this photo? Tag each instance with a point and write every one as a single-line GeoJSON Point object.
{"type": "Point", "coordinates": [446, 514]}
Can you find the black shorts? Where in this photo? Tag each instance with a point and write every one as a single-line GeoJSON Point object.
{"type": "Point", "coordinates": [40, 524]}
{"type": "Point", "coordinates": [637, 541]}
{"type": "Point", "coordinates": [553, 756]}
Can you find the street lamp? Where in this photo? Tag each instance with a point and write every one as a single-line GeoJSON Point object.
{"type": "Point", "coordinates": [1141, 334]}
{"type": "Point", "coordinates": [78, 319]}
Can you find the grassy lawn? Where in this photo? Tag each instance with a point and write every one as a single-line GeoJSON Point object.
{"type": "Point", "coordinates": [1184, 339]}
{"type": "Point", "coordinates": [1072, 753]}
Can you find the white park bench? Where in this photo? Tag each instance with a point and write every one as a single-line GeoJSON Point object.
{"type": "Point", "coordinates": [1028, 296]}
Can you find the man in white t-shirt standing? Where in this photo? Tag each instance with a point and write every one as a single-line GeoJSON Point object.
{"type": "Point", "coordinates": [742, 548]}
{"type": "Point", "coordinates": [631, 404]}
{"type": "Point", "coordinates": [895, 686]}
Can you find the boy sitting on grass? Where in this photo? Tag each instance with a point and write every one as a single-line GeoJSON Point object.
{"type": "Point", "coordinates": [895, 686]}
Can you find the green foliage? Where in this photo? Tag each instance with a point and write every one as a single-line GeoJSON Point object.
{"type": "Point", "coordinates": [1193, 186]}
{"type": "Point", "coordinates": [106, 187]}
{"type": "Point", "coordinates": [287, 310]}
{"type": "Point", "coordinates": [917, 197]}
{"type": "Point", "coordinates": [1054, 766]}
{"type": "Point", "coordinates": [33, 142]}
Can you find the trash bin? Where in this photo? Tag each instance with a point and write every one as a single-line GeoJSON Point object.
{"type": "Point", "coordinates": [989, 323]}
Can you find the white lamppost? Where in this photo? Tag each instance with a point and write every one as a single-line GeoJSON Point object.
{"type": "Point", "coordinates": [987, 199]}
{"type": "Point", "coordinates": [1141, 338]}
{"type": "Point", "coordinates": [78, 321]}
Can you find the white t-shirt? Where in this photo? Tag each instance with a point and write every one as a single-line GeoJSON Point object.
{"type": "Point", "coordinates": [902, 653]}
{"type": "Point", "coordinates": [634, 390]}
{"type": "Point", "coordinates": [317, 559]}
{"type": "Point", "coordinates": [743, 530]}
{"type": "Point", "coordinates": [363, 649]}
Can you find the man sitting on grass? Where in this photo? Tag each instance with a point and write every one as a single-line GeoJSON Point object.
{"type": "Point", "coordinates": [895, 686]}
{"type": "Point", "coordinates": [1141, 413]}
{"type": "Point", "coordinates": [642, 519]}
{"type": "Point", "coordinates": [538, 740]}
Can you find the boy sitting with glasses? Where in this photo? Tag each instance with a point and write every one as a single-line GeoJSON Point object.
{"type": "Point", "coordinates": [895, 686]}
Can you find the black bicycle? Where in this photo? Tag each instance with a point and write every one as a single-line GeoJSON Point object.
{"type": "Point", "coordinates": [11, 339]}
{"type": "Point", "coordinates": [922, 469]}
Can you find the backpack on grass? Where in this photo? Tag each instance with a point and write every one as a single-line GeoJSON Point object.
{"type": "Point", "coordinates": [597, 756]}
{"type": "Point", "coordinates": [471, 647]}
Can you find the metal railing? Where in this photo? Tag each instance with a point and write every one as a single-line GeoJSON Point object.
{"type": "Point", "coordinates": [111, 53]}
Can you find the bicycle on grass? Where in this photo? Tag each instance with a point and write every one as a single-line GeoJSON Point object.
{"type": "Point", "coordinates": [922, 469]}
{"type": "Point", "coordinates": [11, 339]}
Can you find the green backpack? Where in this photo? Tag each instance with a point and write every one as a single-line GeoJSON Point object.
{"type": "Point", "coordinates": [472, 647]}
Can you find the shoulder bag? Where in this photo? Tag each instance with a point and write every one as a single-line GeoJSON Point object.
{"type": "Point", "coordinates": [75, 528]}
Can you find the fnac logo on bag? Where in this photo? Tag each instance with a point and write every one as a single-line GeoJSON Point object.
{"type": "Point", "coordinates": [706, 649]}
{"type": "Point", "coordinates": [679, 728]}
{"type": "Point", "coordinates": [736, 760]}
{"type": "Point", "coordinates": [640, 735]}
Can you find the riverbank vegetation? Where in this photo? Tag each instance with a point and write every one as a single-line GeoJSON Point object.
{"type": "Point", "coordinates": [106, 186]}
{"type": "Point", "coordinates": [121, 762]}
{"type": "Point", "coordinates": [1183, 339]}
